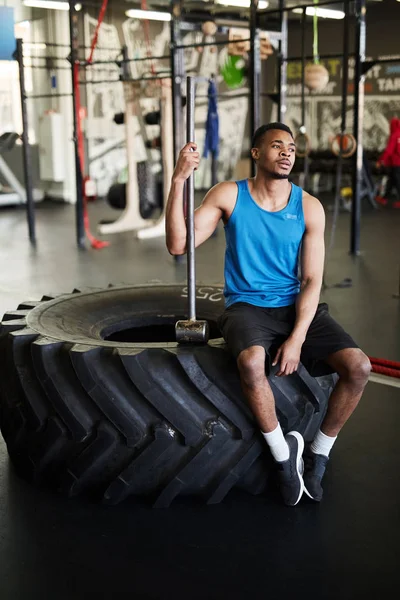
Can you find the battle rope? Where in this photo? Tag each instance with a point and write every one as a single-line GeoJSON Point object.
{"type": "Point", "coordinates": [94, 242]}
{"type": "Point", "coordinates": [386, 371]}
{"type": "Point", "coordinates": [383, 366]}
{"type": "Point", "coordinates": [384, 362]}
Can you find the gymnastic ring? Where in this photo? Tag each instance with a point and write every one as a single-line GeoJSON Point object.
{"type": "Point", "coordinates": [304, 140]}
{"type": "Point", "coordinates": [349, 145]}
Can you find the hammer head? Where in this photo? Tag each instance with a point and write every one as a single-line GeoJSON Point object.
{"type": "Point", "coordinates": [192, 332]}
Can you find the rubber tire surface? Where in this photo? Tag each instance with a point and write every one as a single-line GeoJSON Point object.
{"type": "Point", "coordinates": [114, 418]}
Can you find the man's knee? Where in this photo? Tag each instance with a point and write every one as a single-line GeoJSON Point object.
{"type": "Point", "coordinates": [356, 368]}
{"type": "Point", "coordinates": [251, 364]}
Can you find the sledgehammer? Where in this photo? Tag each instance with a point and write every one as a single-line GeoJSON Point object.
{"type": "Point", "coordinates": [191, 331]}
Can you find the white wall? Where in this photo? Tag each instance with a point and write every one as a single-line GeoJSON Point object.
{"type": "Point", "coordinates": [35, 27]}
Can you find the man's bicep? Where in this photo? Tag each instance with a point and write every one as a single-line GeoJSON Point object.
{"type": "Point", "coordinates": [212, 209]}
{"type": "Point", "coordinates": [313, 246]}
{"type": "Point", "coordinates": [206, 219]}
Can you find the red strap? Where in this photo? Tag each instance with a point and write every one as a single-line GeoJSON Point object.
{"type": "Point", "coordinates": [96, 33]}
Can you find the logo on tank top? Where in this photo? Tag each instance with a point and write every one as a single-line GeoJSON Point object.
{"type": "Point", "coordinates": [293, 217]}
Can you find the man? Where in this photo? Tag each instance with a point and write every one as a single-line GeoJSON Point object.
{"type": "Point", "coordinates": [269, 224]}
{"type": "Point", "coordinates": [390, 158]}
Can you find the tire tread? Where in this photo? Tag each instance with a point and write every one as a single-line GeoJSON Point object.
{"type": "Point", "coordinates": [155, 422]}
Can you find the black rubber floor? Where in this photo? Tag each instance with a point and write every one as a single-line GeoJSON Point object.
{"type": "Point", "coordinates": [345, 548]}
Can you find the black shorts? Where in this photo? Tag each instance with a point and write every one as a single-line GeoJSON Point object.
{"type": "Point", "coordinates": [244, 325]}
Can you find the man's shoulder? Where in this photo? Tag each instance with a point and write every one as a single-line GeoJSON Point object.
{"type": "Point", "coordinates": [309, 200]}
{"type": "Point", "coordinates": [312, 209]}
{"type": "Point", "coordinates": [222, 193]}
{"type": "Point", "coordinates": [226, 186]}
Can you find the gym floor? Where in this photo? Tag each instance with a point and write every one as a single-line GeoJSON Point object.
{"type": "Point", "coordinates": [57, 549]}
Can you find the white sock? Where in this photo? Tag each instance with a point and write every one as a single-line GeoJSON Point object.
{"type": "Point", "coordinates": [322, 443]}
{"type": "Point", "coordinates": [277, 444]}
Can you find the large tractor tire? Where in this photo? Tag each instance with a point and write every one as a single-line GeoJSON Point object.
{"type": "Point", "coordinates": [97, 398]}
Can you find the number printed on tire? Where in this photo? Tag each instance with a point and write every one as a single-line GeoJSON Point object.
{"type": "Point", "coordinates": [206, 293]}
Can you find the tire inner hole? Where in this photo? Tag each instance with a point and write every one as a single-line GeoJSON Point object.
{"type": "Point", "coordinates": [150, 329]}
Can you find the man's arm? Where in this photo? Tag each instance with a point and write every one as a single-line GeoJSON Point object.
{"type": "Point", "coordinates": [206, 217]}
{"type": "Point", "coordinates": [312, 268]}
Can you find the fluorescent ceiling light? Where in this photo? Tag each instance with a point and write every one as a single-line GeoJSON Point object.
{"type": "Point", "coordinates": [244, 3]}
{"type": "Point", "coordinates": [50, 4]}
{"type": "Point", "coordinates": [324, 13]}
{"type": "Point", "coordinates": [151, 15]}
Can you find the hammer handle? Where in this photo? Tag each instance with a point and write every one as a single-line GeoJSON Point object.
{"type": "Point", "coordinates": [190, 242]}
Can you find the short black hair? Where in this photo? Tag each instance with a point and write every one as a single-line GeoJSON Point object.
{"type": "Point", "coordinates": [261, 131]}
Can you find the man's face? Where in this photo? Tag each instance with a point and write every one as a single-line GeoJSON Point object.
{"type": "Point", "coordinates": [275, 154]}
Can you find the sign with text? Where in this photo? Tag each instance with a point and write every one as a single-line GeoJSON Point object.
{"type": "Point", "coordinates": [380, 79]}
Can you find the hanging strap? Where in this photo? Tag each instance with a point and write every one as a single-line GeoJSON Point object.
{"type": "Point", "coordinates": [146, 27]}
{"type": "Point", "coordinates": [96, 33]}
{"type": "Point", "coordinates": [315, 34]}
{"type": "Point", "coordinates": [94, 242]}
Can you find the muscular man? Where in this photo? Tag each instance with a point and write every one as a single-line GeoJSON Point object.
{"type": "Point", "coordinates": [269, 224]}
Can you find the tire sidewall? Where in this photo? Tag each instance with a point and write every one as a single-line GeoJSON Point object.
{"type": "Point", "coordinates": [66, 317]}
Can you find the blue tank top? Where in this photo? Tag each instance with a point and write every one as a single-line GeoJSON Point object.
{"type": "Point", "coordinates": [262, 251]}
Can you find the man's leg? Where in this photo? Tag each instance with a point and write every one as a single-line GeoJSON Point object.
{"type": "Point", "coordinates": [353, 368]}
{"type": "Point", "coordinates": [286, 451]}
{"type": "Point", "coordinates": [383, 200]}
{"type": "Point", "coordinates": [327, 340]}
{"type": "Point", "coordinates": [389, 185]}
{"type": "Point", "coordinates": [255, 386]}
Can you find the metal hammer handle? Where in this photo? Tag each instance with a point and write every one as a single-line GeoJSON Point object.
{"type": "Point", "coordinates": [191, 331]}
{"type": "Point", "coordinates": [190, 242]}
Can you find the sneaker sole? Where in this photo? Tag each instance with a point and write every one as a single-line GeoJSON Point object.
{"type": "Point", "coordinates": [299, 461]}
{"type": "Point", "coordinates": [310, 496]}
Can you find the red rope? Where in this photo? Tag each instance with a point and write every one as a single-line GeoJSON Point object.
{"type": "Point", "coordinates": [385, 363]}
{"type": "Point", "coordinates": [94, 242]}
{"type": "Point", "coordinates": [386, 371]}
